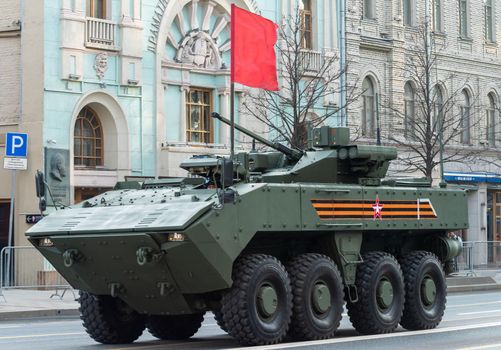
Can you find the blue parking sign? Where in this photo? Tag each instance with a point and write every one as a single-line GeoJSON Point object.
{"type": "Point", "coordinates": [16, 145]}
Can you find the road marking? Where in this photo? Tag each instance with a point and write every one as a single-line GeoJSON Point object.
{"type": "Point", "coordinates": [6, 327]}
{"type": "Point", "coordinates": [10, 337]}
{"type": "Point", "coordinates": [475, 304]}
{"type": "Point", "coordinates": [479, 312]}
{"type": "Point", "coordinates": [169, 345]}
{"type": "Point", "coordinates": [491, 346]}
{"type": "Point", "coordinates": [484, 317]}
{"type": "Point", "coordinates": [371, 337]}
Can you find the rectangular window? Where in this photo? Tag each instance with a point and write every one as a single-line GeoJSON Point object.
{"type": "Point", "coordinates": [96, 9]}
{"type": "Point", "coordinates": [198, 120]}
{"type": "Point", "coordinates": [306, 25]}
{"type": "Point", "coordinates": [489, 22]}
{"type": "Point", "coordinates": [369, 11]}
{"type": "Point", "coordinates": [408, 13]}
{"type": "Point", "coordinates": [463, 19]}
{"type": "Point", "coordinates": [437, 16]}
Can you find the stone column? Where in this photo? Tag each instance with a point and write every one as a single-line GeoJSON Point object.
{"type": "Point", "coordinates": [224, 103]}
{"type": "Point", "coordinates": [182, 122]}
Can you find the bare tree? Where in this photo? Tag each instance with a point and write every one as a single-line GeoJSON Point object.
{"type": "Point", "coordinates": [435, 124]}
{"type": "Point", "coordinates": [310, 82]}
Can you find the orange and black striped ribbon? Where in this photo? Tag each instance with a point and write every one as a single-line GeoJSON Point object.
{"type": "Point", "coordinates": [329, 209]}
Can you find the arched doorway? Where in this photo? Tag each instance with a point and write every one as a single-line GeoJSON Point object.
{"type": "Point", "coordinates": [99, 142]}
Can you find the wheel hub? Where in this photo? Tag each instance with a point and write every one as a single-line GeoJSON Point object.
{"type": "Point", "coordinates": [321, 298]}
{"type": "Point", "coordinates": [267, 301]}
{"type": "Point", "coordinates": [384, 294]}
{"type": "Point", "coordinates": [428, 291]}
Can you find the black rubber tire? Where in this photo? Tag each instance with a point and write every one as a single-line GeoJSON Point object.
{"type": "Point", "coordinates": [366, 315]}
{"type": "Point", "coordinates": [218, 316]}
{"type": "Point", "coordinates": [305, 271]}
{"type": "Point", "coordinates": [240, 306]}
{"type": "Point", "coordinates": [416, 267]}
{"type": "Point", "coordinates": [109, 320]}
{"type": "Point", "coordinates": [174, 327]}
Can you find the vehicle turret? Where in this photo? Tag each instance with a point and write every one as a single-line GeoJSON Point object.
{"type": "Point", "coordinates": [331, 159]}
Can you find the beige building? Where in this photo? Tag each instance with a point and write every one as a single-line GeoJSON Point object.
{"type": "Point", "coordinates": [21, 105]}
{"type": "Point", "coordinates": [380, 37]}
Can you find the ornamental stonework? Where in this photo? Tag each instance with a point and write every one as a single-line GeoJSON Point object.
{"type": "Point", "coordinates": [101, 65]}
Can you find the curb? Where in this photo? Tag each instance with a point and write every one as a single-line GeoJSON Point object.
{"type": "Point", "coordinates": [473, 288]}
{"type": "Point", "coordinates": [15, 315]}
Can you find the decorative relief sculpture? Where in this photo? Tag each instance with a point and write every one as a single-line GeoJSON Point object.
{"type": "Point", "coordinates": [101, 64]}
{"type": "Point", "coordinates": [199, 49]}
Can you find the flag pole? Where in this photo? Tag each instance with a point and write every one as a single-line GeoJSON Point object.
{"type": "Point", "coordinates": [232, 119]}
{"type": "Point", "coordinates": [232, 89]}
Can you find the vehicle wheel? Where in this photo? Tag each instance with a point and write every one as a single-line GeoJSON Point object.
{"type": "Point", "coordinates": [257, 309]}
{"type": "Point", "coordinates": [174, 327]}
{"type": "Point", "coordinates": [109, 320]}
{"type": "Point", "coordinates": [218, 316]}
{"type": "Point", "coordinates": [425, 291]}
{"type": "Point", "coordinates": [380, 286]}
{"type": "Point", "coordinates": [318, 297]}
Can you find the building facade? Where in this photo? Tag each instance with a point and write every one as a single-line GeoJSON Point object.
{"type": "Point", "coordinates": [109, 89]}
{"type": "Point", "coordinates": [381, 39]}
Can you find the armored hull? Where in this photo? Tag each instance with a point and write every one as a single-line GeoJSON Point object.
{"type": "Point", "coordinates": [178, 249]}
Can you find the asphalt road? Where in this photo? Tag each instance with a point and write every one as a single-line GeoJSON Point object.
{"type": "Point", "coordinates": [472, 321]}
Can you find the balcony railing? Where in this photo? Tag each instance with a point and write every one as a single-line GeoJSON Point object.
{"type": "Point", "coordinates": [100, 34]}
{"type": "Point", "coordinates": [311, 61]}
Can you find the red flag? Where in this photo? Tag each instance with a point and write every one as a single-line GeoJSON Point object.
{"type": "Point", "coordinates": [253, 59]}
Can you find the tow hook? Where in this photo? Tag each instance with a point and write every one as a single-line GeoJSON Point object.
{"type": "Point", "coordinates": [147, 255]}
{"type": "Point", "coordinates": [70, 257]}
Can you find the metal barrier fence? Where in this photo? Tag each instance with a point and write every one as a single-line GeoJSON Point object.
{"type": "Point", "coordinates": [25, 267]}
{"type": "Point", "coordinates": [479, 255]}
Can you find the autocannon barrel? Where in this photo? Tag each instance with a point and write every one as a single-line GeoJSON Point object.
{"type": "Point", "coordinates": [289, 152]}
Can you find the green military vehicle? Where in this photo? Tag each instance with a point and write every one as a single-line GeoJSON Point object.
{"type": "Point", "coordinates": [273, 243]}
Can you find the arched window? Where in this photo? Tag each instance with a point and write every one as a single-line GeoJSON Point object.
{"type": "Point", "coordinates": [410, 112]}
{"type": "Point", "coordinates": [491, 120]}
{"type": "Point", "coordinates": [465, 117]}
{"type": "Point", "coordinates": [438, 108]}
{"type": "Point", "coordinates": [368, 108]}
{"type": "Point", "coordinates": [88, 139]}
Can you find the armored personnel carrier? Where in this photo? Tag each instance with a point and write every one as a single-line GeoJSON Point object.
{"type": "Point", "coordinates": [273, 243]}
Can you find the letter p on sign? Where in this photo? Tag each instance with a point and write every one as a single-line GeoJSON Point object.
{"type": "Point", "coordinates": [16, 145]}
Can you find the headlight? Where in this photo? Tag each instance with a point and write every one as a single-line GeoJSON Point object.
{"type": "Point", "coordinates": [175, 237]}
{"type": "Point", "coordinates": [45, 242]}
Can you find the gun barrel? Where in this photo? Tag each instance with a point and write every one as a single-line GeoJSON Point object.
{"type": "Point", "coordinates": [295, 155]}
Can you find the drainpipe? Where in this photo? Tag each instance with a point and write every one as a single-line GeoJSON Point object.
{"type": "Point", "coordinates": [341, 14]}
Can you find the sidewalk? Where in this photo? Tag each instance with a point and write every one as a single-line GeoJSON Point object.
{"type": "Point", "coordinates": [20, 303]}
{"type": "Point", "coordinates": [477, 280]}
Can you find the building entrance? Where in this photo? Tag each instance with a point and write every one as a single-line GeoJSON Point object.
{"type": "Point", "coordinates": [4, 223]}
{"type": "Point", "coordinates": [494, 225]}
